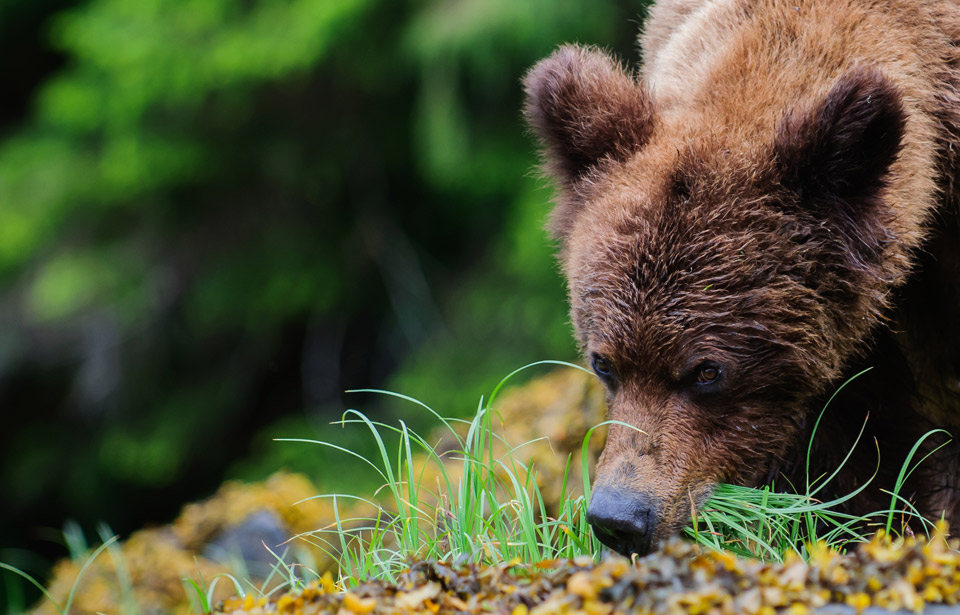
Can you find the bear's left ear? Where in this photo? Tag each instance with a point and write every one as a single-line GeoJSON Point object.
{"type": "Point", "coordinates": [838, 152]}
{"type": "Point", "coordinates": [585, 107]}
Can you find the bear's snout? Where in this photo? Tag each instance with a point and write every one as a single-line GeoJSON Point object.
{"type": "Point", "coordinates": [623, 521]}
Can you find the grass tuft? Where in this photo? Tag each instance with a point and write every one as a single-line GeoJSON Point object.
{"type": "Point", "coordinates": [476, 501]}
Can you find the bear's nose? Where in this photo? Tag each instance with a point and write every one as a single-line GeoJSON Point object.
{"type": "Point", "coordinates": [622, 521]}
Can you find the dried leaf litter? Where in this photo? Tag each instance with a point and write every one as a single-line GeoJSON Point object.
{"type": "Point", "coordinates": [904, 573]}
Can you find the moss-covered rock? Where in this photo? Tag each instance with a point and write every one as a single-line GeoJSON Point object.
{"type": "Point", "coordinates": [149, 568]}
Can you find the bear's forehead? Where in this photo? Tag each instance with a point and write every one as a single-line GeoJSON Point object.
{"type": "Point", "coordinates": [677, 243]}
{"type": "Point", "coordinates": [663, 273]}
{"type": "Point", "coordinates": [670, 246]}
{"type": "Point", "coordinates": [650, 281]}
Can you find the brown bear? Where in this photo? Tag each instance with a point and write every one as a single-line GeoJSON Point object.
{"type": "Point", "coordinates": [768, 208]}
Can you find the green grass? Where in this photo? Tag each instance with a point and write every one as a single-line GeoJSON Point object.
{"type": "Point", "coordinates": [769, 524]}
{"type": "Point", "coordinates": [486, 507]}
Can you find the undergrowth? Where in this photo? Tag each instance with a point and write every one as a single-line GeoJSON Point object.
{"type": "Point", "coordinates": [479, 500]}
{"type": "Point", "coordinates": [470, 504]}
{"type": "Point", "coordinates": [482, 505]}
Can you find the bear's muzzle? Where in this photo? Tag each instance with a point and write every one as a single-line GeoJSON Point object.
{"type": "Point", "coordinates": [625, 522]}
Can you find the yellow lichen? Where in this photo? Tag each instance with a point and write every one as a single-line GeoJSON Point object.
{"type": "Point", "coordinates": [358, 605]}
{"type": "Point", "coordinates": [679, 580]}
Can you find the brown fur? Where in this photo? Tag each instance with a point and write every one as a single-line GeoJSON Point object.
{"type": "Point", "coordinates": [777, 195]}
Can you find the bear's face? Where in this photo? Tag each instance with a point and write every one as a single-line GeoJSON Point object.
{"type": "Point", "coordinates": [709, 279]}
{"type": "Point", "coordinates": [684, 303]}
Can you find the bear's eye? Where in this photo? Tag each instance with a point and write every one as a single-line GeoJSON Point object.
{"type": "Point", "coordinates": [603, 367]}
{"type": "Point", "coordinates": [708, 373]}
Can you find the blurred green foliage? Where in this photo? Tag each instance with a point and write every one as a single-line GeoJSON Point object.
{"type": "Point", "coordinates": [216, 215]}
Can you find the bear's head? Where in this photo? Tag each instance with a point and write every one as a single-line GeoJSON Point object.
{"type": "Point", "coordinates": [719, 276]}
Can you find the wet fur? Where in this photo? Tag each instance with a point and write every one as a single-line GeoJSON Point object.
{"type": "Point", "coordinates": [777, 192]}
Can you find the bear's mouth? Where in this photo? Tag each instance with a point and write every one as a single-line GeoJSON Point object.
{"type": "Point", "coordinates": [624, 543]}
{"type": "Point", "coordinates": [683, 512]}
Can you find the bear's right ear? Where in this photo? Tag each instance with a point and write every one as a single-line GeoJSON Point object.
{"type": "Point", "coordinates": [584, 108]}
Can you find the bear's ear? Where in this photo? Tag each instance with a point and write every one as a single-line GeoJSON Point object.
{"type": "Point", "coordinates": [584, 108]}
{"type": "Point", "coordinates": [841, 148]}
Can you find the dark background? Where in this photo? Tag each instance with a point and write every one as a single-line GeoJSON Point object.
{"type": "Point", "coordinates": [216, 216]}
